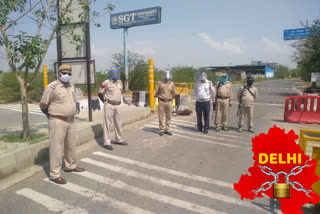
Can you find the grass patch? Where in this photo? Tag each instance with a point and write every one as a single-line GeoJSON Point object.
{"type": "Point", "coordinates": [17, 137]}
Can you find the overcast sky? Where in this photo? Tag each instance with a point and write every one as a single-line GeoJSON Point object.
{"type": "Point", "coordinates": [204, 32]}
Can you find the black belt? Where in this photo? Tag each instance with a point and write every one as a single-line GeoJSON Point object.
{"type": "Point", "coordinates": [165, 100]}
{"type": "Point", "coordinates": [223, 98]}
{"type": "Point", "coordinates": [115, 103]}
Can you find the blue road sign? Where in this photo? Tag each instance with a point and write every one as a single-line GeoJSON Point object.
{"type": "Point", "coordinates": [133, 18]}
{"type": "Point", "coordinates": [299, 33]}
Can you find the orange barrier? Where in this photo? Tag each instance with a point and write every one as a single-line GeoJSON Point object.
{"type": "Point", "coordinates": [302, 109]}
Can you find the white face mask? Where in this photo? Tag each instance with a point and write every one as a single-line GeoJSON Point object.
{"type": "Point", "coordinates": [65, 78]}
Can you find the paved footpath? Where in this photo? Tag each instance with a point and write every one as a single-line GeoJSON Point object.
{"type": "Point", "coordinates": [188, 172]}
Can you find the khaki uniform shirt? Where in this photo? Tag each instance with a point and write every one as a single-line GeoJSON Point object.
{"type": "Point", "coordinates": [224, 91]}
{"type": "Point", "coordinates": [247, 98]}
{"type": "Point", "coordinates": [111, 91]}
{"type": "Point", "coordinates": [61, 99]}
{"type": "Point", "coordinates": [165, 91]}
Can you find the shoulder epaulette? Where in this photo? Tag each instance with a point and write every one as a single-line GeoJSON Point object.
{"type": "Point", "coordinates": [53, 84]}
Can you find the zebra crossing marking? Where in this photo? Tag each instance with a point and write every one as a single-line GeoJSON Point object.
{"type": "Point", "coordinates": [181, 122]}
{"type": "Point", "coordinates": [166, 170]}
{"type": "Point", "coordinates": [50, 203]}
{"type": "Point", "coordinates": [18, 108]}
{"type": "Point", "coordinates": [167, 183]}
{"type": "Point", "coordinates": [95, 196]}
{"type": "Point", "coordinates": [148, 127]}
{"type": "Point", "coordinates": [193, 125]}
{"type": "Point", "coordinates": [217, 133]}
{"type": "Point", "coordinates": [148, 194]}
{"type": "Point", "coordinates": [204, 136]}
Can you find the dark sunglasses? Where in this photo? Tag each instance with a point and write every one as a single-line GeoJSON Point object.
{"type": "Point", "coordinates": [64, 73]}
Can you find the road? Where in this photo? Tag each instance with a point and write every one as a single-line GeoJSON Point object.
{"type": "Point", "coordinates": [185, 173]}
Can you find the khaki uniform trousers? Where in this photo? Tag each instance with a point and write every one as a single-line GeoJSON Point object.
{"type": "Point", "coordinates": [62, 140]}
{"type": "Point", "coordinates": [111, 114]}
{"type": "Point", "coordinates": [222, 110]}
{"type": "Point", "coordinates": [165, 109]}
{"type": "Point", "coordinates": [246, 111]}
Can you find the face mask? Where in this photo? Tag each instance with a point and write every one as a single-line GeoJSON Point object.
{"type": "Point", "coordinates": [249, 83]}
{"type": "Point", "coordinates": [114, 76]}
{"type": "Point", "coordinates": [224, 80]}
{"type": "Point", "coordinates": [65, 78]}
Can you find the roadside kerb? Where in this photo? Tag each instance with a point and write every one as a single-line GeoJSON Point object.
{"type": "Point", "coordinates": [34, 154]}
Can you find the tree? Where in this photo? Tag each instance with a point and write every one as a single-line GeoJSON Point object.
{"type": "Point", "coordinates": [26, 50]}
{"type": "Point", "coordinates": [281, 72]}
{"type": "Point", "coordinates": [134, 59]}
{"type": "Point", "coordinates": [307, 53]}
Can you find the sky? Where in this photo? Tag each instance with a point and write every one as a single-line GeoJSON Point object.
{"type": "Point", "coordinates": [204, 32]}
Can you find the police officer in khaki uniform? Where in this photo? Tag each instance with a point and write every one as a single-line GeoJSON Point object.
{"type": "Point", "coordinates": [110, 94]}
{"type": "Point", "coordinates": [59, 104]}
{"type": "Point", "coordinates": [222, 102]}
{"type": "Point", "coordinates": [246, 97]}
{"type": "Point", "coordinates": [165, 92]}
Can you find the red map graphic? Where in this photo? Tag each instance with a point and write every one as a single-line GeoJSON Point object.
{"type": "Point", "coordinates": [277, 141]}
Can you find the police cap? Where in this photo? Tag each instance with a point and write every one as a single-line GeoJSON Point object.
{"type": "Point", "coordinates": [65, 67]}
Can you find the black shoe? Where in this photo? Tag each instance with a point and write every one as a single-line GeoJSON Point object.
{"type": "Point", "coordinates": [59, 180]}
{"type": "Point", "coordinates": [121, 143]}
{"type": "Point", "coordinates": [205, 132]}
{"type": "Point", "coordinates": [77, 169]}
{"type": "Point", "coordinates": [109, 147]}
{"type": "Point", "coordinates": [168, 133]}
{"type": "Point", "coordinates": [199, 130]}
{"type": "Point", "coordinates": [161, 133]}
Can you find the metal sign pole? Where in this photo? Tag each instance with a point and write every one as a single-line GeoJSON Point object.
{"type": "Point", "coordinates": [126, 70]}
{"type": "Point", "coordinates": [88, 53]}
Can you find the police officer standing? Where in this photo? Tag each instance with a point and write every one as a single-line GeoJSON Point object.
{"type": "Point", "coordinates": [165, 92]}
{"type": "Point", "coordinates": [110, 94]}
{"type": "Point", "coordinates": [246, 97]}
{"type": "Point", "coordinates": [58, 102]}
{"type": "Point", "coordinates": [222, 102]}
{"type": "Point", "coordinates": [204, 90]}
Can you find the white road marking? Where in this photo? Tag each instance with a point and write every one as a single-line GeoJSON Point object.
{"type": "Point", "coordinates": [205, 136]}
{"type": "Point", "coordinates": [180, 187]}
{"type": "Point", "coordinates": [260, 104]}
{"type": "Point", "coordinates": [12, 108]}
{"type": "Point", "coordinates": [95, 196]}
{"type": "Point", "coordinates": [294, 88]}
{"type": "Point", "coordinates": [239, 135]}
{"type": "Point", "coordinates": [264, 104]}
{"type": "Point", "coordinates": [53, 205]}
{"type": "Point", "coordinates": [19, 106]}
{"type": "Point", "coordinates": [166, 170]}
{"type": "Point", "coordinates": [194, 125]}
{"type": "Point", "coordinates": [196, 139]}
{"type": "Point", "coordinates": [148, 194]}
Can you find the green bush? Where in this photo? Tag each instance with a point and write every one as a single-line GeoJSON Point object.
{"type": "Point", "coordinates": [9, 87]}
{"type": "Point", "coordinates": [138, 80]}
{"type": "Point", "coordinates": [100, 78]}
{"type": "Point", "coordinates": [187, 74]}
